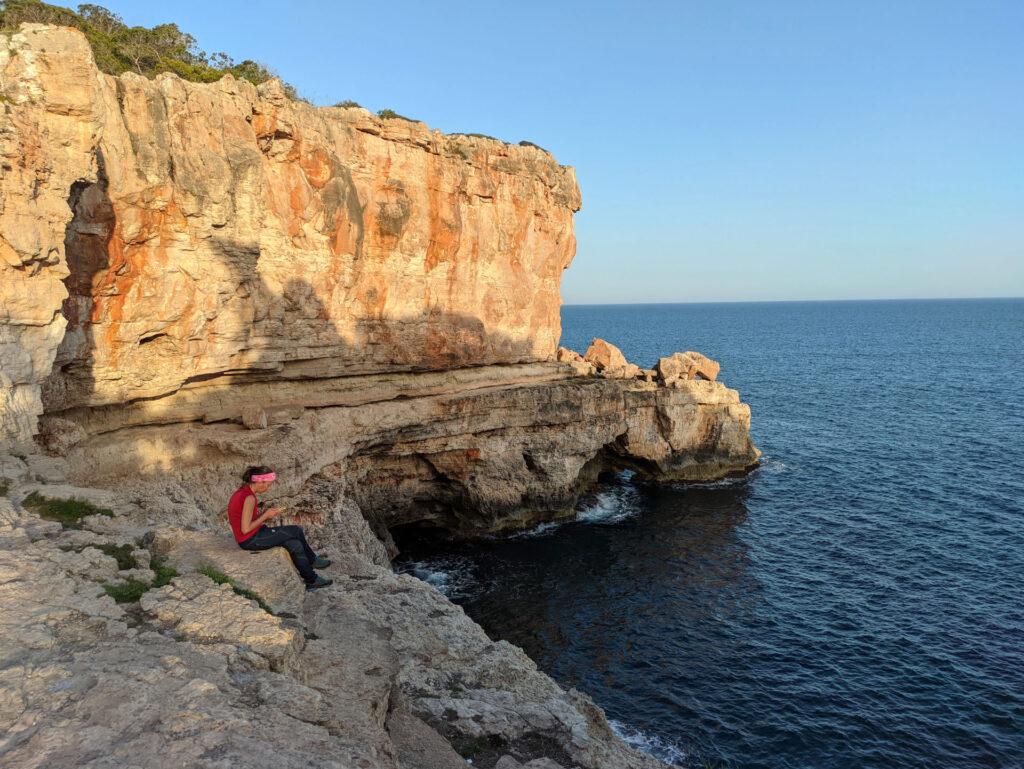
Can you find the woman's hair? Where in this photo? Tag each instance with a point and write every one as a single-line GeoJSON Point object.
{"type": "Point", "coordinates": [251, 471]}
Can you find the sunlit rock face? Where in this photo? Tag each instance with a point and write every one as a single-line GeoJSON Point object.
{"type": "Point", "coordinates": [51, 116]}
{"type": "Point", "coordinates": [184, 231]}
{"type": "Point", "coordinates": [198, 277]}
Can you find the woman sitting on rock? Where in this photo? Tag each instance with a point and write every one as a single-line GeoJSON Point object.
{"type": "Point", "coordinates": [250, 533]}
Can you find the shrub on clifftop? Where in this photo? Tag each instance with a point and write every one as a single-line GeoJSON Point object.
{"type": "Point", "coordinates": [390, 114]}
{"type": "Point", "coordinates": [119, 48]}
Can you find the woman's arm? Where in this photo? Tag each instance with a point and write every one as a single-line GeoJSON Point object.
{"type": "Point", "coordinates": [248, 508]}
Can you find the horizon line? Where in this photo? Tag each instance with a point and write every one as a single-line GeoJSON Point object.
{"type": "Point", "coordinates": [799, 301]}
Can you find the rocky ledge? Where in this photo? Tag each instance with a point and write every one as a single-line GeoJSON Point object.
{"type": "Point", "coordinates": [212, 656]}
{"type": "Point", "coordinates": [199, 277]}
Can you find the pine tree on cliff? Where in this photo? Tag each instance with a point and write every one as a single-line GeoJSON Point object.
{"type": "Point", "coordinates": [119, 48]}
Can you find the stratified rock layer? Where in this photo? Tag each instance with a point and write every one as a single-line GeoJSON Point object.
{"type": "Point", "coordinates": [194, 278]}
{"type": "Point", "coordinates": [369, 306]}
{"type": "Point", "coordinates": [205, 230]}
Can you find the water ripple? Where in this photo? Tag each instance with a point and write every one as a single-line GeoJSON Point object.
{"type": "Point", "coordinates": [856, 602]}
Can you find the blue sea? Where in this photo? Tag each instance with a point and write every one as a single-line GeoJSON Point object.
{"type": "Point", "coordinates": [858, 601]}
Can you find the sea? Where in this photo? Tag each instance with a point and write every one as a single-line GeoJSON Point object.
{"type": "Point", "coordinates": [857, 601]}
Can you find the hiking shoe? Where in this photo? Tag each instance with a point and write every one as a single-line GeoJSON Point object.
{"type": "Point", "coordinates": [319, 582]}
{"type": "Point", "coordinates": [321, 562]}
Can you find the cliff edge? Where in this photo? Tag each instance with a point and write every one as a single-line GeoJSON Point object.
{"type": "Point", "coordinates": [199, 277]}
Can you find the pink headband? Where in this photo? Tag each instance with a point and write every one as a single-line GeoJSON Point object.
{"type": "Point", "coordinates": [265, 478]}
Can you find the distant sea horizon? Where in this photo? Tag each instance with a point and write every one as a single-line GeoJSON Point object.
{"type": "Point", "coordinates": [854, 603]}
{"type": "Point", "coordinates": [798, 301]}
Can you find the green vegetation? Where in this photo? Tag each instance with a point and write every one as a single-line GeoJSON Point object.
{"type": "Point", "coordinates": [67, 512]}
{"type": "Point", "coordinates": [120, 553]}
{"type": "Point", "coordinates": [129, 591]}
{"type": "Point", "coordinates": [478, 136]}
{"type": "Point", "coordinates": [347, 104]}
{"type": "Point", "coordinates": [223, 579]}
{"type": "Point", "coordinates": [164, 573]}
{"type": "Point", "coordinates": [119, 48]}
{"type": "Point", "coordinates": [471, 747]}
{"type": "Point", "coordinates": [390, 114]}
{"type": "Point", "coordinates": [215, 574]}
{"type": "Point", "coordinates": [5, 486]}
{"type": "Point", "coordinates": [525, 143]}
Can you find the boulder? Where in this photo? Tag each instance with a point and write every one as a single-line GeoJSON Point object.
{"type": "Point", "coordinates": [254, 417]}
{"type": "Point", "coordinates": [686, 365]}
{"type": "Point", "coordinates": [565, 355]}
{"type": "Point", "coordinates": [605, 356]}
{"type": "Point", "coordinates": [629, 371]}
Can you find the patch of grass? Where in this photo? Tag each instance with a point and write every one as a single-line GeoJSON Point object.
{"type": "Point", "coordinates": [347, 104]}
{"type": "Point", "coordinates": [164, 573]}
{"type": "Point", "coordinates": [120, 553]}
{"type": "Point", "coordinates": [470, 747]}
{"type": "Point", "coordinates": [67, 512]}
{"type": "Point", "coordinates": [128, 592]}
{"type": "Point", "coordinates": [215, 574]}
{"type": "Point", "coordinates": [223, 579]}
{"type": "Point", "coordinates": [390, 114]}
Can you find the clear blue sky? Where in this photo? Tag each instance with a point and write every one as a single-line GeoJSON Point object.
{"type": "Point", "coordinates": [726, 150]}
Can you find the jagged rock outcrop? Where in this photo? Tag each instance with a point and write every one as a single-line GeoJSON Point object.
{"type": "Point", "coordinates": [198, 277]}
{"type": "Point", "coordinates": [377, 672]}
{"type": "Point", "coordinates": [686, 365]}
{"type": "Point", "coordinates": [206, 230]}
{"type": "Point", "coordinates": [376, 302]}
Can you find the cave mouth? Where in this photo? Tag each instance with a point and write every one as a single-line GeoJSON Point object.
{"type": "Point", "coordinates": [420, 537]}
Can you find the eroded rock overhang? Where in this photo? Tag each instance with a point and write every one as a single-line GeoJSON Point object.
{"type": "Point", "coordinates": [183, 262]}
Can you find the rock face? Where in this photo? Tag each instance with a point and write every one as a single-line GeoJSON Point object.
{"type": "Point", "coordinates": [378, 671]}
{"type": "Point", "coordinates": [184, 231]}
{"type": "Point", "coordinates": [198, 277]}
{"type": "Point", "coordinates": [50, 126]}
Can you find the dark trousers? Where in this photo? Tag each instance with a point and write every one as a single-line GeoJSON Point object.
{"type": "Point", "coordinates": [292, 539]}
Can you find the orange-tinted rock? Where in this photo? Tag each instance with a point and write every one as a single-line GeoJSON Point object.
{"type": "Point", "coordinates": [605, 356]}
{"type": "Point", "coordinates": [564, 355]}
{"type": "Point", "coordinates": [222, 230]}
{"type": "Point", "coordinates": [686, 365]}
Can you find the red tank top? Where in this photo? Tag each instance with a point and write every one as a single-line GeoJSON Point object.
{"type": "Point", "coordinates": [235, 513]}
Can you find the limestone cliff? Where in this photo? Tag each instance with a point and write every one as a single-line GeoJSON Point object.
{"type": "Point", "coordinates": [197, 277]}
{"type": "Point", "coordinates": [183, 260]}
{"type": "Point", "coordinates": [378, 671]}
{"type": "Point", "coordinates": [209, 230]}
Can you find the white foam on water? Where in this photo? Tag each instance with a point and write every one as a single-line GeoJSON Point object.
{"type": "Point", "coordinates": [721, 483]}
{"type": "Point", "coordinates": [538, 531]}
{"type": "Point", "coordinates": [773, 465]}
{"type": "Point", "coordinates": [452, 576]}
{"type": "Point", "coordinates": [610, 507]}
{"type": "Point", "coordinates": [651, 744]}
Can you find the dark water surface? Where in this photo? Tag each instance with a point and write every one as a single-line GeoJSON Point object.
{"type": "Point", "coordinates": [856, 602]}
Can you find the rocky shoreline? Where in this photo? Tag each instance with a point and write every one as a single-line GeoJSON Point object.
{"type": "Point", "coordinates": [198, 277]}
{"type": "Point", "coordinates": [379, 670]}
